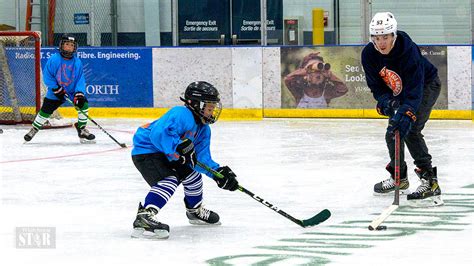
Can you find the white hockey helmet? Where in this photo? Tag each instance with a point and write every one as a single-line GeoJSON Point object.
{"type": "Point", "coordinates": [383, 23]}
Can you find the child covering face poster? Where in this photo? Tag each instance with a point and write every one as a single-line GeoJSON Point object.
{"type": "Point", "coordinates": [333, 77]}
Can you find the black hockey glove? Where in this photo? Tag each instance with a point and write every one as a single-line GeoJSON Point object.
{"type": "Point", "coordinates": [186, 152]}
{"type": "Point", "coordinates": [228, 180]}
{"type": "Point", "coordinates": [60, 92]}
{"type": "Point", "coordinates": [387, 106]}
{"type": "Point", "coordinates": [79, 99]}
{"type": "Point", "coordinates": [402, 121]}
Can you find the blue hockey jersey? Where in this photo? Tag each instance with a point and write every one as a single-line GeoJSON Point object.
{"type": "Point", "coordinates": [165, 134]}
{"type": "Point", "coordinates": [401, 74]}
{"type": "Point", "coordinates": [67, 73]}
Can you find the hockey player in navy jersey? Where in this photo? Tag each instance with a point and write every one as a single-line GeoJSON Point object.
{"type": "Point", "coordinates": [166, 151]}
{"type": "Point", "coordinates": [63, 76]}
{"type": "Point", "coordinates": [406, 86]}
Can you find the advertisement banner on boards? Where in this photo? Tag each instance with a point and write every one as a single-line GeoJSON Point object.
{"type": "Point", "coordinates": [343, 84]}
{"type": "Point", "coordinates": [115, 77]}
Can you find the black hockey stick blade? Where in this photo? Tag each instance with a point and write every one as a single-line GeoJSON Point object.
{"type": "Point", "coordinates": [93, 121]}
{"type": "Point", "coordinates": [317, 219]}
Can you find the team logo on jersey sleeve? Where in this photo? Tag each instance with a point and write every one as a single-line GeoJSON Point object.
{"type": "Point", "coordinates": [392, 79]}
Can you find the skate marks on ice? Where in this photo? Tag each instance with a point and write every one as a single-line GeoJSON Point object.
{"type": "Point", "coordinates": [341, 242]}
{"type": "Point", "coordinates": [39, 158]}
{"type": "Point", "coordinates": [67, 136]}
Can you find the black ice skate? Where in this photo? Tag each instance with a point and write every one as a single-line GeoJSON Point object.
{"type": "Point", "coordinates": [84, 135]}
{"type": "Point", "coordinates": [29, 136]}
{"type": "Point", "coordinates": [429, 192]}
{"type": "Point", "coordinates": [202, 216]}
{"type": "Point", "coordinates": [147, 226]}
{"type": "Point", "coordinates": [388, 185]}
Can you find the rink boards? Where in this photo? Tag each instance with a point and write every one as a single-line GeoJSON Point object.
{"type": "Point", "coordinates": [142, 81]}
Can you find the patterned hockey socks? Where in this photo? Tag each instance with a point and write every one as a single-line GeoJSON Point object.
{"type": "Point", "coordinates": [161, 192]}
{"type": "Point", "coordinates": [81, 118]}
{"type": "Point", "coordinates": [40, 119]}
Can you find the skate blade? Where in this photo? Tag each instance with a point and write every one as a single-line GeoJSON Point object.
{"type": "Point", "coordinates": [157, 234]}
{"type": "Point", "coordinates": [428, 202]}
{"type": "Point", "coordinates": [86, 141]}
{"type": "Point", "coordinates": [199, 222]}
{"type": "Point", "coordinates": [402, 192]}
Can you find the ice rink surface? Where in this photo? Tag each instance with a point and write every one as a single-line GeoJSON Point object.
{"type": "Point", "coordinates": [89, 195]}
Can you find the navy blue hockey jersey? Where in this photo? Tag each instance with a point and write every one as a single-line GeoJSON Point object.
{"type": "Point", "coordinates": [401, 74]}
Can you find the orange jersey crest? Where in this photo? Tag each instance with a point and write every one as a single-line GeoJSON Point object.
{"type": "Point", "coordinates": [392, 79]}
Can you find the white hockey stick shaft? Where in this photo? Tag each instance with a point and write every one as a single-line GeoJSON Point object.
{"type": "Point", "coordinates": [381, 218]}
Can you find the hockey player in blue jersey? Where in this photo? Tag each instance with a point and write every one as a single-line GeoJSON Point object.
{"type": "Point", "coordinates": [63, 76]}
{"type": "Point", "coordinates": [406, 86]}
{"type": "Point", "coordinates": [166, 151]}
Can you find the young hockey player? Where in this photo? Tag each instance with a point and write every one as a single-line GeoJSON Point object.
{"type": "Point", "coordinates": [166, 151]}
{"type": "Point", "coordinates": [63, 76]}
{"type": "Point", "coordinates": [406, 86]}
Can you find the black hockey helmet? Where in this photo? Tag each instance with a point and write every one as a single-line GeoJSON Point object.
{"type": "Point", "coordinates": [196, 97]}
{"type": "Point", "coordinates": [67, 38]}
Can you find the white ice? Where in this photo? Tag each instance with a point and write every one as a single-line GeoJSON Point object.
{"type": "Point", "coordinates": [89, 194]}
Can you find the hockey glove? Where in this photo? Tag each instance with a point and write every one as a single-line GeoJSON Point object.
{"type": "Point", "coordinates": [402, 121]}
{"type": "Point", "coordinates": [228, 180]}
{"type": "Point", "coordinates": [60, 92]}
{"type": "Point", "coordinates": [186, 152]}
{"type": "Point", "coordinates": [79, 99]}
{"type": "Point", "coordinates": [387, 106]}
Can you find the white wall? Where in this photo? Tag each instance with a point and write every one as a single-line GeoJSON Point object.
{"type": "Point", "coordinates": [250, 77]}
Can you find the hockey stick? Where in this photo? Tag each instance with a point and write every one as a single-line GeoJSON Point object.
{"type": "Point", "coordinates": [93, 121]}
{"type": "Point", "coordinates": [375, 224]}
{"type": "Point", "coordinates": [317, 219]}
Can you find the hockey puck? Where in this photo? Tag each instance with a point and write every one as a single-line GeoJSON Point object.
{"type": "Point", "coordinates": [379, 228]}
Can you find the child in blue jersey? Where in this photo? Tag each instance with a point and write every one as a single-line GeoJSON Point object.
{"type": "Point", "coordinates": [63, 76]}
{"type": "Point", "coordinates": [406, 86]}
{"type": "Point", "coordinates": [166, 151]}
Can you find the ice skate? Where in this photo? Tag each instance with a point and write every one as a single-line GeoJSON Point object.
{"type": "Point", "coordinates": [147, 226]}
{"type": "Point", "coordinates": [29, 136]}
{"type": "Point", "coordinates": [202, 216]}
{"type": "Point", "coordinates": [388, 185]}
{"type": "Point", "coordinates": [84, 135]}
{"type": "Point", "coordinates": [428, 194]}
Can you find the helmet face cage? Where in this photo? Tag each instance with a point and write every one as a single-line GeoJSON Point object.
{"type": "Point", "coordinates": [214, 116]}
{"type": "Point", "coordinates": [64, 39]}
{"type": "Point", "coordinates": [198, 96]}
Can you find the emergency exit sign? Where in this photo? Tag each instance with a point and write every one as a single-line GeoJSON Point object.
{"type": "Point", "coordinates": [81, 18]}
